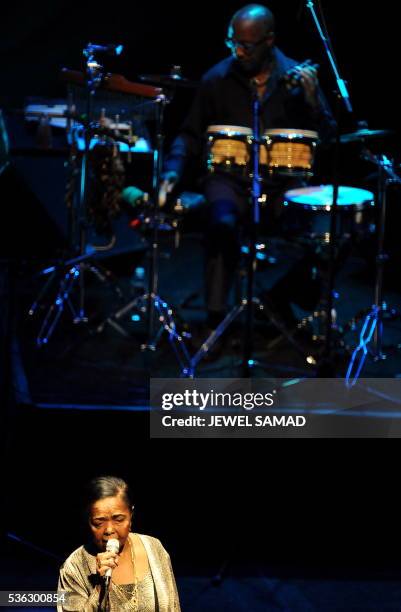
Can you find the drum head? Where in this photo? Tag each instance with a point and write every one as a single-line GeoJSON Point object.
{"type": "Point", "coordinates": [229, 130]}
{"type": "Point", "coordinates": [289, 133]}
{"type": "Point", "coordinates": [321, 197]}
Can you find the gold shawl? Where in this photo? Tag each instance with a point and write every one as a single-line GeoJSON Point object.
{"type": "Point", "coordinates": [79, 579]}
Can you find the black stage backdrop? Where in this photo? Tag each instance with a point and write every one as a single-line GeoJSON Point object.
{"type": "Point", "coordinates": [37, 40]}
{"type": "Point", "coordinates": [284, 506]}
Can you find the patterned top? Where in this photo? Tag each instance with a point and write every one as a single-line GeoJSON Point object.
{"type": "Point", "coordinates": [146, 595]}
{"type": "Point", "coordinates": [156, 592]}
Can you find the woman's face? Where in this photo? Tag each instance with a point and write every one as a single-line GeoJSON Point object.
{"type": "Point", "coordinates": [110, 518]}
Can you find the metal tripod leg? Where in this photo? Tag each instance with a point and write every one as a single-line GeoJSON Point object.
{"type": "Point", "coordinates": [214, 336]}
{"type": "Point", "coordinates": [229, 318]}
{"type": "Point", "coordinates": [56, 309]}
{"type": "Point", "coordinates": [271, 317]}
{"type": "Point", "coordinates": [176, 340]}
{"type": "Point", "coordinates": [372, 330]}
{"type": "Point", "coordinates": [154, 303]}
{"type": "Point", "coordinates": [360, 353]}
{"type": "Point", "coordinates": [42, 293]}
{"type": "Point", "coordinates": [66, 285]}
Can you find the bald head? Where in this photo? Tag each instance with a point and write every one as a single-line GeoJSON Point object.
{"type": "Point", "coordinates": [250, 37]}
{"type": "Point", "coordinates": [254, 16]}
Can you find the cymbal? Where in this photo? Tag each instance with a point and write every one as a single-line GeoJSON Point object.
{"type": "Point", "coordinates": [363, 135]}
{"type": "Point", "coordinates": [167, 80]}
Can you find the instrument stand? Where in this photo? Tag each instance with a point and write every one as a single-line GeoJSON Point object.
{"type": "Point", "coordinates": [326, 367]}
{"type": "Point", "coordinates": [230, 317]}
{"type": "Point", "coordinates": [150, 302]}
{"type": "Point", "coordinates": [248, 304]}
{"type": "Point", "coordinates": [166, 322]}
{"type": "Point", "coordinates": [371, 336]}
{"type": "Point", "coordinates": [73, 270]}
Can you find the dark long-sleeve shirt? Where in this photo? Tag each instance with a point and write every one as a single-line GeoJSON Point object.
{"type": "Point", "coordinates": [225, 98]}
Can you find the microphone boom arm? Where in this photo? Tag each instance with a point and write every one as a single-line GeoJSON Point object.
{"type": "Point", "coordinates": [341, 83]}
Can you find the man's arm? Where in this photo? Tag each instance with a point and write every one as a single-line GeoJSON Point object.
{"type": "Point", "coordinates": [317, 103]}
{"type": "Point", "coordinates": [188, 144]}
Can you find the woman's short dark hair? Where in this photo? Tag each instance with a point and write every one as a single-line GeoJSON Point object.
{"type": "Point", "coordinates": [107, 486]}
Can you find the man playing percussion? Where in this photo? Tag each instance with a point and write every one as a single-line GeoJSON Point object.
{"type": "Point", "coordinates": [225, 99]}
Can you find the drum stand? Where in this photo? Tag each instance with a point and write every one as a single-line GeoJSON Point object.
{"type": "Point", "coordinates": [371, 336]}
{"type": "Point", "coordinates": [249, 303]}
{"type": "Point", "coordinates": [73, 270]}
{"type": "Point", "coordinates": [151, 303]}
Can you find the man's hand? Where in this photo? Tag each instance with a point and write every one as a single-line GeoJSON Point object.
{"type": "Point", "coordinates": [168, 181]}
{"type": "Point", "coordinates": [309, 82]}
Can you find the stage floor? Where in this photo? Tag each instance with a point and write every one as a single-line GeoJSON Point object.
{"type": "Point", "coordinates": [82, 366]}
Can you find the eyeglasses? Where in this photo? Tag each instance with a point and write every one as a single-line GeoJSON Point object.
{"type": "Point", "coordinates": [234, 44]}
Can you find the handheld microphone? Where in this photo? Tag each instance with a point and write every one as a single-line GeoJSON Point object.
{"type": "Point", "coordinates": [107, 49]}
{"type": "Point", "coordinates": [112, 545]}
